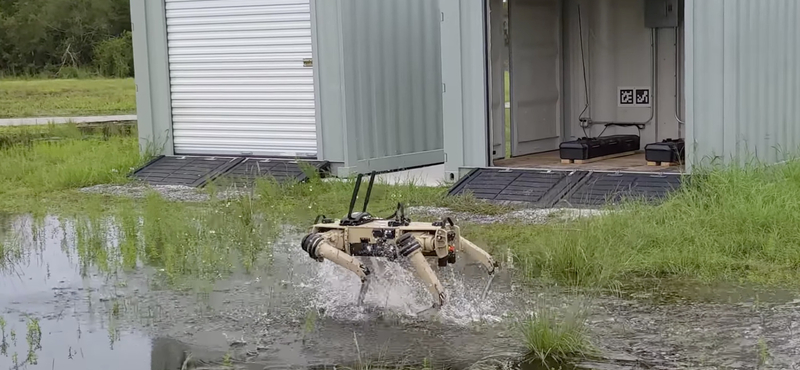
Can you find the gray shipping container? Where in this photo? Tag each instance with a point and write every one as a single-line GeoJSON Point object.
{"type": "Point", "coordinates": [356, 83]}
{"type": "Point", "coordinates": [722, 74]}
{"type": "Point", "coordinates": [389, 84]}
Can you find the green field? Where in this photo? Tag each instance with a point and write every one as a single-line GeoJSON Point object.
{"type": "Point", "coordinates": [24, 98]}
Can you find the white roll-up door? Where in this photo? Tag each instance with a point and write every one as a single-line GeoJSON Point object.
{"type": "Point", "coordinates": [239, 79]}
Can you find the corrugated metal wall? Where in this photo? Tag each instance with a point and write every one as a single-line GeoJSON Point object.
{"type": "Point", "coordinates": [379, 72]}
{"type": "Point", "coordinates": [153, 110]}
{"type": "Point", "coordinates": [238, 79]}
{"type": "Point", "coordinates": [392, 63]}
{"type": "Point", "coordinates": [464, 75]}
{"type": "Point", "coordinates": [742, 79]}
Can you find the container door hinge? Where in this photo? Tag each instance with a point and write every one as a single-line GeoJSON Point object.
{"type": "Point", "coordinates": [444, 87]}
{"type": "Point", "coordinates": [442, 13]}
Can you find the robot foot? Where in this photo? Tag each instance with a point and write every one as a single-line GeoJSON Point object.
{"type": "Point", "coordinates": [488, 284]}
{"type": "Point", "coordinates": [363, 292]}
{"type": "Point", "coordinates": [429, 312]}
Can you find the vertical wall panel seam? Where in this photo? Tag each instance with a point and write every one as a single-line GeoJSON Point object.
{"type": "Point", "coordinates": [165, 49]}
{"type": "Point", "coordinates": [688, 77]}
{"type": "Point", "coordinates": [321, 154]}
{"type": "Point", "coordinates": [350, 155]}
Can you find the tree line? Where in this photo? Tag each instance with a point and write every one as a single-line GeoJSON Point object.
{"type": "Point", "coordinates": [65, 38]}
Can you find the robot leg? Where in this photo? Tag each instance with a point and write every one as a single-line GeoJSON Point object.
{"type": "Point", "coordinates": [318, 248]}
{"type": "Point", "coordinates": [409, 247]}
{"type": "Point", "coordinates": [478, 254]}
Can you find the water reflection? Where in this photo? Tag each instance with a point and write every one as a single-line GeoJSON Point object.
{"type": "Point", "coordinates": [95, 313]}
{"type": "Point", "coordinates": [55, 318]}
{"type": "Point", "coordinates": [99, 306]}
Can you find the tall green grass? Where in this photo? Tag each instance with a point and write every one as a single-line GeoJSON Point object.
{"type": "Point", "coordinates": [39, 163]}
{"type": "Point", "coordinates": [183, 240]}
{"type": "Point", "coordinates": [734, 224]}
{"type": "Point", "coordinates": [552, 335]}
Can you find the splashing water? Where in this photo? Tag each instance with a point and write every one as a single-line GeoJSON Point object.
{"type": "Point", "coordinates": [396, 290]}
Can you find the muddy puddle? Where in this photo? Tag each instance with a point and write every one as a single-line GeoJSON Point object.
{"type": "Point", "coordinates": [66, 312]}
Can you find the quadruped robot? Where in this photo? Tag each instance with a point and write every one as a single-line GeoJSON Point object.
{"type": "Point", "coordinates": [396, 237]}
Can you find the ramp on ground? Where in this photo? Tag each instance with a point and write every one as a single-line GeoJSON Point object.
{"type": "Point", "coordinates": [557, 188]}
{"type": "Point", "coordinates": [199, 171]}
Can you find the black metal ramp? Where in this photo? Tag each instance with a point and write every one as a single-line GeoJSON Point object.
{"type": "Point", "coordinates": [606, 188]}
{"type": "Point", "coordinates": [280, 170]}
{"type": "Point", "coordinates": [534, 187]}
{"type": "Point", "coordinates": [199, 171]}
{"type": "Point", "coordinates": [563, 188]}
{"type": "Point", "coordinates": [192, 171]}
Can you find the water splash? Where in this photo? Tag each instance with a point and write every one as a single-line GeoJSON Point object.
{"type": "Point", "coordinates": [396, 291]}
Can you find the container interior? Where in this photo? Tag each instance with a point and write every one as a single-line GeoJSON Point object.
{"type": "Point", "coordinates": [561, 70]}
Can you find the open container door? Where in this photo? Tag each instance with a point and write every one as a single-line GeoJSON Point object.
{"type": "Point", "coordinates": [535, 75]}
{"type": "Point", "coordinates": [497, 80]}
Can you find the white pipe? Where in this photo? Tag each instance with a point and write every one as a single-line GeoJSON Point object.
{"type": "Point", "coordinates": [603, 59]}
{"type": "Point", "coordinates": [678, 94]}
{"type": "Point", "coordinates": [677, 75]}
{"type": "Point", "coordinates": [654, 89]}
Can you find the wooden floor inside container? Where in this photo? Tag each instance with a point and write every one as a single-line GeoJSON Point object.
{"type": "Point", "coordinates": [551, 160]}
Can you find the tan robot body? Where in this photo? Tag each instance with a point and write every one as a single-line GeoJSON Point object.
{"type": "Point", "coordinates": [360, 234]}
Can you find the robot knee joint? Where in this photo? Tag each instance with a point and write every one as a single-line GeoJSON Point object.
{"type": "Point", "coordinates": [310, 243]}
{"type": "Point", "coordinates": [407, 244]}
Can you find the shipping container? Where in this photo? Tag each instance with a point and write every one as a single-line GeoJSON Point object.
{"type": "Point", "coordinates": [355, 83]}
{"type": "Point", "coordinates": [388, 85]}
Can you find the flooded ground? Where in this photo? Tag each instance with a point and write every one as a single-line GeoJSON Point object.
{"type": "Point", "coordinates": [61, 312]}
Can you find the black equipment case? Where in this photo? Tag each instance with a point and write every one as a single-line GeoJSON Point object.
{"type": "Point", "coordinates": [668, 150]}
{"type": "Point", "coordinates": [588, 148]}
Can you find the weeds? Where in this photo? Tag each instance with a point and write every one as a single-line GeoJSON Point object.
{"type": "Point", "coordinates": [310, 322]}
{"type": "Point", "coordinates": [733, 224]}
{"type": "Point", "coordinates": [3, 341]}
{"type": "Point", "coordinates": [41, 173]}
{"type": "Point", "coordinates": [763, 353]}
{"type": "Point", "coordinates": [34, 339]}
{"type": "Point", "coordinates": [381, 363]}
{"type": "Point", "coordinates": [550, 338]}
{"type": "Point", "coordinates": [181, 239]}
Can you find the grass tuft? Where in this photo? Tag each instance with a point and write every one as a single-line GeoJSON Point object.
{"type": "Point", "coordinates": [550, 338]}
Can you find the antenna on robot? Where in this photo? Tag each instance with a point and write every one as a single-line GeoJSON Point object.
{"type": "Point", "coordinates": [355, 193]}
{"type": "Point", "coordinates": [369, 191]}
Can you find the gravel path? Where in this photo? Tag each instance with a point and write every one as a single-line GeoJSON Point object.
{"type": "Point", "coordinates": [528, 215]}
{"type": "Point", "coordinates": [174, 193]}
{"type": "Point", "coordinates": [190, 194]}
{"type": "Point", "coordinates": [62, 120]}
